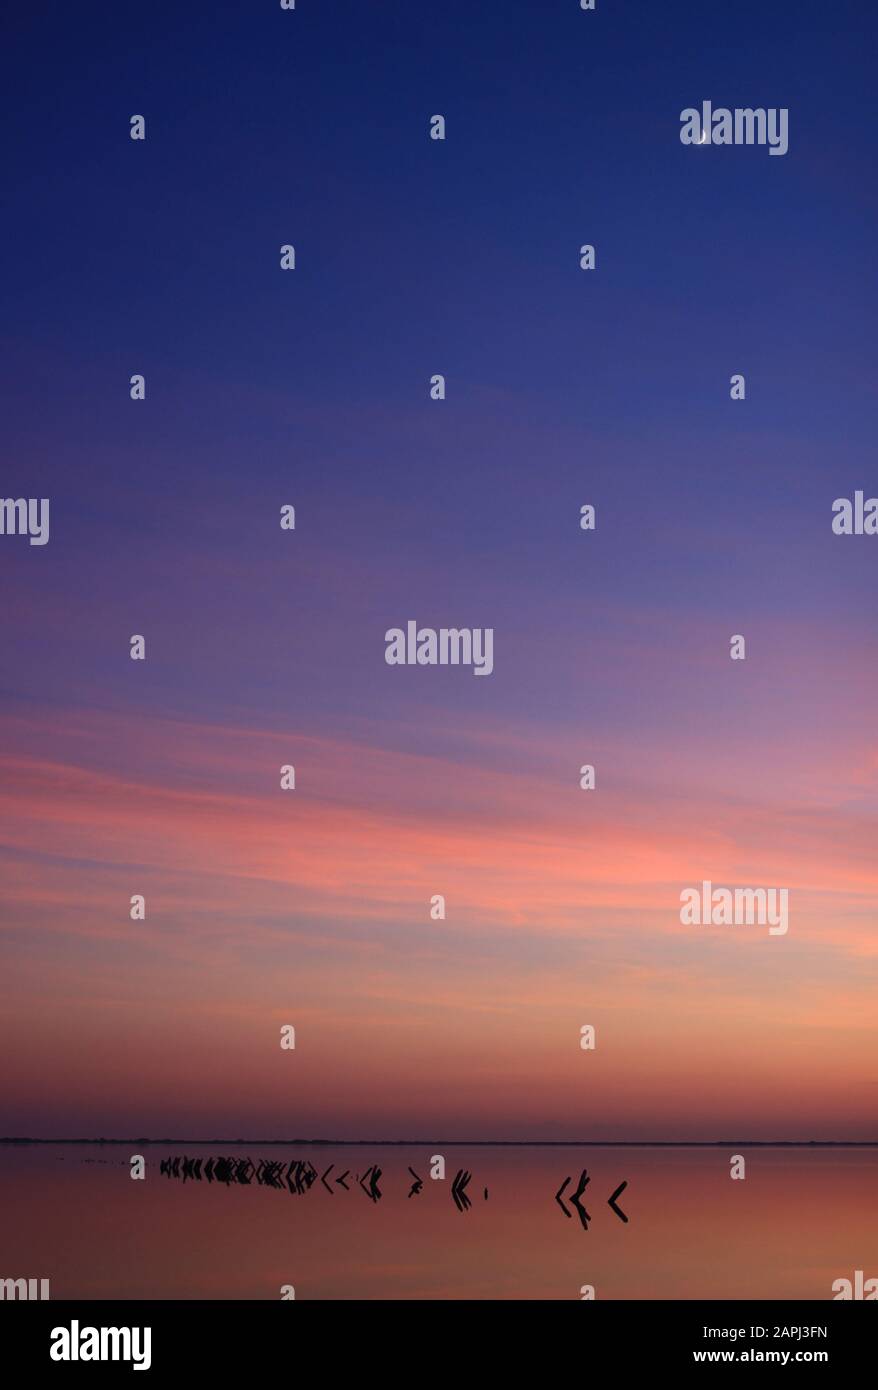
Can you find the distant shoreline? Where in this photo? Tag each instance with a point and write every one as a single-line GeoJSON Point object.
{"type": "Point", "coordinates": [482, 1143]}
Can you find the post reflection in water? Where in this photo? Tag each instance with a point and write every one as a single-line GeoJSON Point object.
{"type": "Point", "coordinates": [363, 1222]}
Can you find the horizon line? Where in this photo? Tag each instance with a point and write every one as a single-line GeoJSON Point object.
{"type": "Point", "coordinates": [480, 1143]}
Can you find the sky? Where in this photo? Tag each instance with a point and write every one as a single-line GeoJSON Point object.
{"type": "Point", "coordinates": [266, 647]}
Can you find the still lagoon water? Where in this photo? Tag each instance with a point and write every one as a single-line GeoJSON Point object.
{"type": "Point", "coordinates": [205, 1224]}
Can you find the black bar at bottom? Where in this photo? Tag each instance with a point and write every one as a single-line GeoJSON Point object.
{"type": "Point", "coordinates": [320, 1338]}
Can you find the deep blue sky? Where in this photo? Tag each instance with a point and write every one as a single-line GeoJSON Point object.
{"type": "Point", "coordinates": [266, 126]}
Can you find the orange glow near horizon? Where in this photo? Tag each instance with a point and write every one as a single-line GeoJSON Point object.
{"type": "Point", "coordinates": [264, 909]}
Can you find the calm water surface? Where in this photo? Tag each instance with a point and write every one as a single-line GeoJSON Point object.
{"type": "Point", "coordinates": [801, 1219]}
